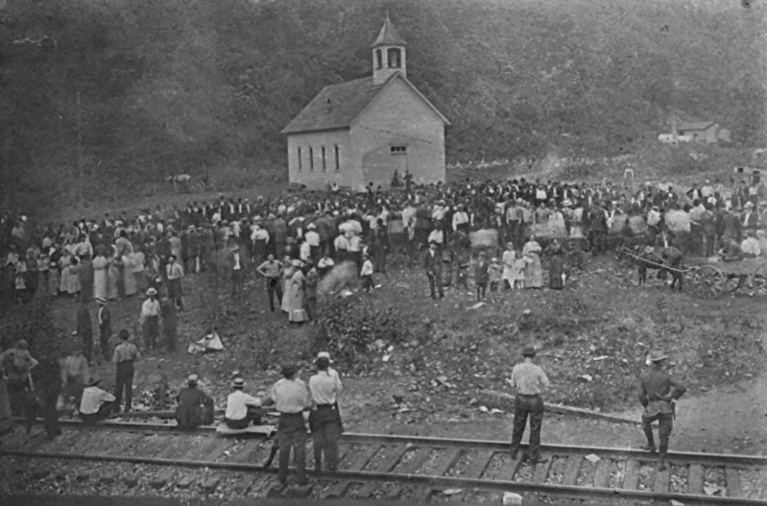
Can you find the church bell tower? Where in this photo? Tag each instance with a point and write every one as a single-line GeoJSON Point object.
{"type": "Point", "coordinates": [388, 54]}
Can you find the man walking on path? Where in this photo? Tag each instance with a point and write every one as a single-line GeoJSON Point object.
{"type": "Point", "coordinates": [150, 319]}
{"type": "Point", "coordinates": [324, 419]}
{"type": "Point", "coordinates": [657, 393]}
{"type": "Point", "coordinates": [105, 327]}
{"type": "Point", "coordinates": [271, 270]}
{"type": "Point", "coordinates": [125, 355]}
{"type": "Point", "coordinates": [529, 381]}
{"type": "Point", "coordinates": [85, 329]}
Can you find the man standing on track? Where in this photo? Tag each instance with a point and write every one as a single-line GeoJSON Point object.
{"type": "Point", "coordinates": [291, 397]}
{"type": "Point", "coordinates": [529, 381]}
{"type": "Point", "coordinates": [125, 355]}
{"type": "Point", "coordinates": [324, 419]}
{"type": "Point", "coordinates": [657, 393]}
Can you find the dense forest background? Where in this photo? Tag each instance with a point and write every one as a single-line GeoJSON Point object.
{"type": "Point", "coordinates": [122, 93]}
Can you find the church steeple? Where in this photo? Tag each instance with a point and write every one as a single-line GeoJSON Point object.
{"type": "Point", "coordinates": [388, 53]}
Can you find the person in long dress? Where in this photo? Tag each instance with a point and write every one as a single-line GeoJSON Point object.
{"type": "Point", "coordinates": [556, 266]}
{"type": "Point", "coordinates": [100, 264]}
{"type": "Point", "coordinates": [296, 311]}
{"type": "Point", "coordinates": [287, 276]}
{"type": "Point", "coordinates": [533, 270]}
{"type": "Point", "coordinates": [129, 277]}
{"type": "Point", "coordinates": [75, 270]}
{"type": "Point", "coordinates": [557, 223]}
{"type": "Point", "coordinates": [113, 272]}
{"type": "Point", "coordinates": [64, 263]}
{"type": "Point", "coordinates": [509, 256]}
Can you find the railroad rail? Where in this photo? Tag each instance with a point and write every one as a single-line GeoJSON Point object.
{"type": "Point", "coordinates": [417, 469]}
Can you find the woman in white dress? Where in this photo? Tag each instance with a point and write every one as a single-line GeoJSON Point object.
{"type": "Point", "coordinates": [287, 275]}
{"type": "Point", "coordinates": [100, 264]}
{"type": "Point", "coordinates": [296, 311]}
{"type": "Point", "coordinates": [509, 256]}
{"type": "Point", "coordinates": [533, 270]}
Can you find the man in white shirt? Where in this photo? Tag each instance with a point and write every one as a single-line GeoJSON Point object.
{"type": "Point", "coordinates": [150, 319]}
{"type": "Point", "coordinates": [313, 240]}
{"type": "Point", "coordinates": [324, 419]}
{"type": "Point", "coordinates": [241, 408]}
{"type": "Point", "coordinates": [235, 261]}
{"type": "Point", "coordinates": [96, 404]}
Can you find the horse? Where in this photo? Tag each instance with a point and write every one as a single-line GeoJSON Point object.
{"type": "Point", "coordinates": [668, 260]}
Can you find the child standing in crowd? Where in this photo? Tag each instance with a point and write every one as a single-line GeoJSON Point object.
{"type": "Point", "coordinates": [481, 276]}
{"type": "Point", "coordinates": [367, 273]}
{"type": "Point", "coordinates": [495, 272]}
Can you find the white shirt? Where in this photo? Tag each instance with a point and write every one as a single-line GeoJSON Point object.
{"type": "Point", "coordinates": [93, 398]}
{"type": "Point", "coordinates": [237, 264]}
{"type": "Point", "coordinates": [437, 235]}
{"type": "Point", "coordinates": [325, 386]}
{"type": "Point", "coordinates": [459, 218]}
{"type": "Point", "coordinates": [313, 238]}
{"type": "Point", "coordinates": [751, 246]}
{"type": "Point", "coordinates": [237, 405]}
{"type": "Point", "coordinates": [367, 268]}
{"type": "Point", "coordinates": [305, 251]}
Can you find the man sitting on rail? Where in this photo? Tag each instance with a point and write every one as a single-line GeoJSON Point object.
{"type": "Point", "coordinates": [96, 404]}
{"type": "Point", "coordinates": [241, 408]}
{"type": "Point", "coordinates": [195, 407]}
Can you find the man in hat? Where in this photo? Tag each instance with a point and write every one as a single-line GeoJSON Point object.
{"type": "Point", "coordinates": [85, 329]}
{"type": "Point", "coordinates": [657, 393]}
{"type": "Point", "coordinates": [271, 270]}
{"type": "Point", "coordinates": [749, 219]}
{"type": "Point", "coordinates": [16, 365]}
{"type": "Point", "coordinates": [236, 267]}
{"type": "Point", "coordinates": [433, 265]}
{"type": "Point", "coordinates": [74, 375]}
{"type": "Point", "coordinates": [291, 398]}
{"type": "Point", "coordinates": [105, 327]}
{"type": "Point", "coordinates": [529, 381]}
{"type": "Point", "coordinates": [195, 407]}
{"type": "Point", "coordinates": [169, 324]}
{"type": "Point", "coordinates": [312, 238]}
{"type": "Point", "coordinates": [96, 404]}
{"type": "Point", "coordinates": [150, 319]}
{"type": "Point", "coordinates": [241, 408]}
{"type": "Point", "coordinates": [324, 419]}
{"type": "Point", "coordinates": [173, 273]}
{"type": "Point", "coordinates": [125, 355]}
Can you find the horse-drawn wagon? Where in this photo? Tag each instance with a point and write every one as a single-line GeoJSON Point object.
{"type": "Point", "coordinates": [708, 278]}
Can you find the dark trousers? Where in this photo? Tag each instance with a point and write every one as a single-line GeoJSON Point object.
{"type": "Point", "coordinates": [325, 438]}
{"type": "Point", "coordinates": [291, 433]}
{"type": "Point", "coordinates": [435, 283]}
{"type": "Point", "coordinates": [236, 280]}
{"type": "Point", "coordinates": [524, 406]}
{"type": "Point", "coordinates": [597, 240]}
{"type": "Point", "coordinates": [104, 345]}
{"type": "Point", "coordinates": [23, 401]}
{"type": "Point", "coordinates": [87, 338]}
{"type": "Point", "coordinates": [51, 414]}
{"type": "Point", "coordinates": [170, 333]}
{"type": "Point", "coordinates": [273, 288]}
{"type": "Point", "coordinates": [310, 305]}
{"type": "Point", "coordinates": [151, 330]}
{"type": "Point", "coordinates": [124, 381]}
{"type": "Point", "coordinates": [102, 414]}
{"type": "Point", "coordinates": [367, 282]}
{"type": "Point", "coordinates": [665, 425]}
{"type": "Point", "coordinates": [481, 289]}
{"type": "Point", "coordinates": [253, 415]}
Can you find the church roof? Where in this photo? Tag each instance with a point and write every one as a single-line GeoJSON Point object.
{"type": "Point", "coordinates": [388, 35]}
{"type": "Point", "coordinates": [337, 105]}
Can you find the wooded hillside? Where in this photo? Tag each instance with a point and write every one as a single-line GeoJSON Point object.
{"type": "Point", "coordinates": [205, 86]}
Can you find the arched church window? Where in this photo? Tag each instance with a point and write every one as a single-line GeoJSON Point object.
{"type": "Point", "coordinates": [393, 56]}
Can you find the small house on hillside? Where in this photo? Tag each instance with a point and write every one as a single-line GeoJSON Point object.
{"type": "Point", "coordinates": [694, 130]}
{"type": "Point", "coordinates": [362, 131]}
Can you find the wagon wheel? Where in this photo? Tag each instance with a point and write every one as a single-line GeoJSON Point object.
{"type": "Point", "coordinates": [733, 282]}
{"type": "Point", "coordinates": [760, 280]}
{"type": "Point", "coordinates": [708, 282]}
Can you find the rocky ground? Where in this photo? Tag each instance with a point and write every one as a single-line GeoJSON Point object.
{"type": "Point", "coordinates": [436, 357]}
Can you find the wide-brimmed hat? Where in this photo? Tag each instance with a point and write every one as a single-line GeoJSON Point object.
{"type": "Point", "coordinates": [289, 370]}
{"type": "Point", "coordinates": [297, 263]}
{"type": "Point", "coordinates": [94, 381]}
{"type": "Point", "coordinates": [192, 379]}
{"type": "Point", "coordinates": [528, 351]}
{"type": "Point", "coordinates": [101, 301]}
{"type": "Point", "coordinates": [747, 205]}
{"type": "Point", "coordinates": [238, 383]}
{"type": "Point", "coordinates": [151, 291]}
{"type": "Point", "coordinates": [311, 226]}
{"type": "Point", "coordinates": [271, 216]}
{"type": "Point", "coordinates": [324, 356]}
{"type": "Point", "coordinates": [657, 356]}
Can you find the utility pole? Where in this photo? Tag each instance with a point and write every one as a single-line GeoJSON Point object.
{"type": "Point", "coordinates": [80, 170]}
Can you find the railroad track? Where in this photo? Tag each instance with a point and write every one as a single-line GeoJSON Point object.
{"type": "Point", "coordinates": [416, 469]}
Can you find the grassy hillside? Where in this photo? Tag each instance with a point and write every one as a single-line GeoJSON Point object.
{"type": "Point", "coordinates": [127, 92]}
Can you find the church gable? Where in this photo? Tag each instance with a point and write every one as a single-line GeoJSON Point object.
{"type": "Point", "coordinates": [396, 101]}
